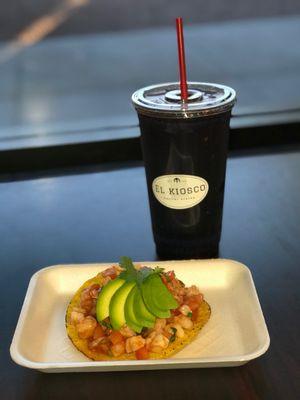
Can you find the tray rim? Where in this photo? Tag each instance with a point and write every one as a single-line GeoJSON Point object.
{"type": "Point", "coordinates": [19, 359]}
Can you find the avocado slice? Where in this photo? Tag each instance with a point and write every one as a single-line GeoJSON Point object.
{"type": "Point", "coordinates": [143, 315]}
{"type": "Point", "coordinates": [162, 297]}
{"type": "Point", "coordinates": [130, 316]}
{"type": "Point", "coordinates": [157, 297]}
{"type": "Point", "coordinates": [149, 302]}
{"type": "Point", "coordinates": [117, 305]}
{"type": "Point", "coordinates": [104, 298]}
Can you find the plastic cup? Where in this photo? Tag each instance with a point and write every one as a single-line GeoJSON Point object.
{"type": "Point", "coordinates": [185, 149]}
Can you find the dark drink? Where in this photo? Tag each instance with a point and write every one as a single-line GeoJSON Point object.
{"type": "Point", "coordinates": [185, 149]}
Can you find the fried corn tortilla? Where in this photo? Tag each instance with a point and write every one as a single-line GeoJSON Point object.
{"type": "Point", "coordinates": [174, 347]}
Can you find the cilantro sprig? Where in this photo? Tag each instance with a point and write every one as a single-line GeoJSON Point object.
{"type": "Point", "coordinates": [130, 274]}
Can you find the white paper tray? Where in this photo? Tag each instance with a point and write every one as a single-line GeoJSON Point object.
{"type": "Point", "coordinates": [235, 334]}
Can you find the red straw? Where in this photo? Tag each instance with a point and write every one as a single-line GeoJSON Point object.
{"type": "Point", "coordinates": [181, 59]}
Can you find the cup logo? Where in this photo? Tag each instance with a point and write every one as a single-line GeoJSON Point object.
{"type": "Point", "coordinates": [179, 191]}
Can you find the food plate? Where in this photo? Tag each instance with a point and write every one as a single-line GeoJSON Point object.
{"type": "Point", "coordinates": [235, 334]}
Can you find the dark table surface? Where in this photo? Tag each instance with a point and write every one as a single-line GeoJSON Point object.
{"type": "Point", "coordinates": [98, 215]}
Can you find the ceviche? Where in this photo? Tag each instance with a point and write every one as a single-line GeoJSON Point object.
{"type": "Point", "coordinates": [135, 312]}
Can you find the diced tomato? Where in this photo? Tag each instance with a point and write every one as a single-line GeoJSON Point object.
{"type": "Point", "coordinates": [195, 315]}
{"type": "Point", "coordinates": [175, 312]}
{"type": "Point", "coordinates": [142, 353]}
{"type": "Point", "coordinates": [95, 286]}
{"type": "Point", "coordinates": [194, 301]}
{"type": "Point", "coordinates": [171, 275]}
{"type": "Point", "coordinates": [193, 305]}
{"type": "Point", "coordinates": [111, 272]}
{"type": "Point", "coordinates": [168, 278]}
{"type": "Point", "coordinates": [116, 337]}
{"type": "Point", "coordinates": [198, 298]}
{"type": "Point", "coordinates": [99, 332]}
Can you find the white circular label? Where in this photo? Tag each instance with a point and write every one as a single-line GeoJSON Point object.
{"type": "Point", "coordinates": [179, 191]}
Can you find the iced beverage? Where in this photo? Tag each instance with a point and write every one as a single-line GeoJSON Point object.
{"type": "Point", "coordinates": [185, 149]}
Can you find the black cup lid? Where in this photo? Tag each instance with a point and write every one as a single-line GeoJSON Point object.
{"type": "Point", "coordinates": [164, 99]}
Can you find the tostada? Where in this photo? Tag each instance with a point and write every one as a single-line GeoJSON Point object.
{"type": "Point", "coordinates": [129, 312]}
